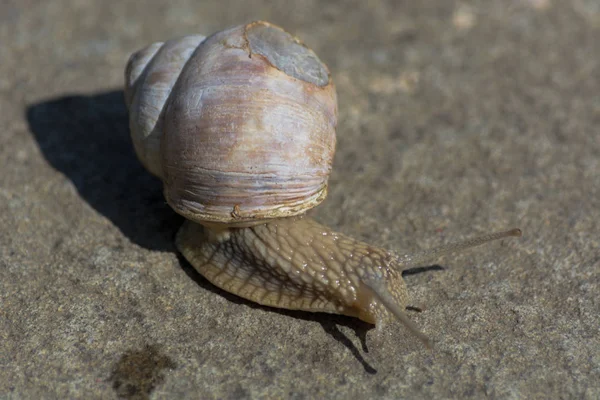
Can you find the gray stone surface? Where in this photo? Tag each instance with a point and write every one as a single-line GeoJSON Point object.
{"type": "Point", "coordinates": [456, 118]}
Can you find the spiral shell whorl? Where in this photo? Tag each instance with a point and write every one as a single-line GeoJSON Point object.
{"type": "Point", "coordinates": [150, 76]}
{"type": "Point", "coordinates": [240, 126]}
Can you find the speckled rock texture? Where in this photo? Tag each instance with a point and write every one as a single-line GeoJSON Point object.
{"type": "Point", "coordinates": [456, 118]}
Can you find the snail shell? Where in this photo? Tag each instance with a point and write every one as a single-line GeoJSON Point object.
{"type": "Point", "coordinates": [240, 126]}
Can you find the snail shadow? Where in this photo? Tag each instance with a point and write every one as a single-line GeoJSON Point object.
{"type": "Point", "coordinates": [420, 270]}
{"type": "Point", "coordinates": [87, 139]}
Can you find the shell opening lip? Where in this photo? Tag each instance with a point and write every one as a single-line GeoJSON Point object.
{"type": "Point", "coordinates": [237, 216]}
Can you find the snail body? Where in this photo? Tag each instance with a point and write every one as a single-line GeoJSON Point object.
{"type": "Point", "coordinates": [293, 263]}
{"type": "Point", "coordinates": [240, 127]}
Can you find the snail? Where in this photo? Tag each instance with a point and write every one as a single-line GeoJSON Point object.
{"type": "Point", "coordinates": [240, 127]}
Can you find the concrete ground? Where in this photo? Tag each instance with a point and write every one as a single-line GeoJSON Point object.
{"type": "Point", "coordinates": [456, 118]}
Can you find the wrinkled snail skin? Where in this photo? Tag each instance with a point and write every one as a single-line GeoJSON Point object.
{"type": "Point", "coordinates": [294, 263]}
{"type": "Point", "coordinates": [240, 127]}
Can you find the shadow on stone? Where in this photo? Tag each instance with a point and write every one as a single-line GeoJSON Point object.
{"type": "Point", "coordinates": [420, 270]}
{"type": "Point", "coordinates": [139, 372]}
{"type": "Point", "coordinates": [87, 139]}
